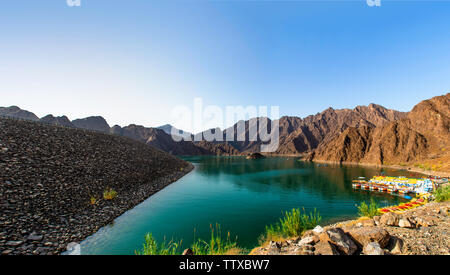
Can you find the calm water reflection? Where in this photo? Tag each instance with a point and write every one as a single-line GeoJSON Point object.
{"type": "Point", "coordinates": [242, 195]}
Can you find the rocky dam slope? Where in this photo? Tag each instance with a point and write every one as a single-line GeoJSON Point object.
{"type": "Point", "coordinates": [52, 181]}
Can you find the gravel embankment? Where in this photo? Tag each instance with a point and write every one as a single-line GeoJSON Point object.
{"type": "Point", "coordinates": [49, 174]}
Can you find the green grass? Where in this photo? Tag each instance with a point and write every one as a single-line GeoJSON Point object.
{"type": "Point", "coordinates": [151, 247]}
{"type": "Point", "coordinates": [442, 194]}
{"type": "Point", "coordinates": [293, 223]}
{"type": "Point", "coordinates": [217, 245]}
{"type": "Point", "coordinates": [368, 210]}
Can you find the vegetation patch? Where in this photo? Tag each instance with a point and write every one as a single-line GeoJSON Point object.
{"type": "Point", "coordinates": [442, 194]}
{"type": "Point", "coordinates": [293, 223]}
{"type": "Point", "coordinates": [368, 210]}
{"type": "Point", "coordinates": [109, 194]}
{"type": "Point", "coordinates": [216, 245]}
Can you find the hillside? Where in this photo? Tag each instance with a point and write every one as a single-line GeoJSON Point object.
{"type": "Point", "coordinates": [50, 175]}
{"type": "Point", "coordinates": [421, 139]}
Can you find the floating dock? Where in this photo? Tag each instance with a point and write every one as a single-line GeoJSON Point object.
{"type": "Point", "coordinates": [402, 185]}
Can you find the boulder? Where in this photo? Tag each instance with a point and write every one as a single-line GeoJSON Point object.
{"type": "Point", "coordinates": [406, 223]}
{"type": "Point", "coordinates": [390, 219]}
{"type": "Point", "coordinates": [325, 248]}
{"type": "Point", "coordinates": [365, 235]}
{"type": "Point", "coordinates": [426, 221]}
{"type": "Point", "coordinates": [373, 248]}
{"type": "Point", "coordinates": [340, 240]}
{"type": "Point", "coordinates": [308, 240]}
{"type": "Point", "coordinates": [395, 245]}
{"type": "Point", "coordinates": [376, 219]}
{"type": "Point", "coordinates": [318, 229]}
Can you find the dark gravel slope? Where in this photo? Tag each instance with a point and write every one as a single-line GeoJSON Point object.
{"type": "Point", "coordinates": [48, 175]}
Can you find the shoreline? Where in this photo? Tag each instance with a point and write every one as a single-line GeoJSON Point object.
{"type": "Point", "coordinates": [417, 231]}
{"type": "Point", "coordinates": [50, 199]}
{"type": "Point", "coordinates": [394, 166]}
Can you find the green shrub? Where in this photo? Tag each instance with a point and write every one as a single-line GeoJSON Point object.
{"type": "Point", "coordinates": [292, 224]}
{"type": "Point", "coordinates": [217, 245]}
{"type": "Point", "coordinates": [109, 194]}
{"type": "Point", "coordinates": [151, 247]}
{"type": "Point", "coordinates": [442, 194]}
{"type": "Point", "coordinates": [368, 210]}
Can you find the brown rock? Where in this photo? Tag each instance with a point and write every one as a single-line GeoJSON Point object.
{"type": "Point", "coordinates": [395, 245]}
{"type": "Point", "coordinates": [405, 222]}
{"type": "Point", "coordinates": [364, 235]}
{"type": "Point", "coordinates": [325, 248]}
{"type": "Point", "coordinates": [187, 252]}
{"type": "Point", "coordinates": [340, 240]}
{"type": "Point", "coordinates": [390, 219]}
{"type": "Point", "coordinates": [373, 249]}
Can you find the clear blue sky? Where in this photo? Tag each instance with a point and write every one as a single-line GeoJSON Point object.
{"type": "Point", "coordinates": [132, 61]}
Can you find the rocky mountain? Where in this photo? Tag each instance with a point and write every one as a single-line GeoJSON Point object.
{"type": "Point", "coordinates": [16, 112]}
{"type": "Point", "coordinates": [59, 121]}
{"type": "Point", "coordinates": [160, 139]}
{"type": "Point", "coordinates": [95, 123]}
{"type": "Point", "coordinates": [422, 137]}
{"type": "Point", "coordinates": [298, 136]}
{"type": "Point", "coordinates": [366, 134]}
{"type": "Point", "coordinates": [169, 129]}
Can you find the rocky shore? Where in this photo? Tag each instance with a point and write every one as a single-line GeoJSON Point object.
{"type": "Point", "coordinates": [420, 231]}
{"type": "Point", "coordinates": [52, 181]}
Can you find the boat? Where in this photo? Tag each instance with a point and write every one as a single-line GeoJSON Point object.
{"type": "Point", "coordinates": [356, 185]}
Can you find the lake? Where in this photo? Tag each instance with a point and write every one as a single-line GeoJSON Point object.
{"type": "Point", "coordinates": [243, 196]}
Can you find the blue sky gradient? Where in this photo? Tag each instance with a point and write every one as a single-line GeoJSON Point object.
{"type": "Point", "coordinates": [133, 61]}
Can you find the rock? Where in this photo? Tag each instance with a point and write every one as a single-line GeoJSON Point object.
{"type": "Point", "coordinates": [395, 245]}
{"type": "Point", "coordinates": [406, 223]}
{"type": "Point", "coordinates": [325, 248]}
{"type": "Point", "coordinates": [34, 237]}
{"type": "Point", "coordinates": [365, 235]}
{"type": "Point", "coordinates": [274, 248]}
{"type": "Point", "coordinates": [340, 240]}
{"type": "Point", "coordinates": [308, 240]}
{"type": "Point", "coordinates": [41, 251]}
{"type": "Point", "coordinates": [426, 221]}
{"type": "Point", "coordinates": [376, 219]}
{"type": "Point", "coordinates": [390, 219]}
{"type": "Point", "coordinates": [14, 243]}
{"type": "Point", "coordinates": [373, 248]}
{"type": "Point", "coordinates": [318, 229]}
{"type": "Point", "coordinates": [188, 251]}
{"type": "Point", "coordinates": [255, 156]}
{"type": "Point", "coordinates": [6, 252]}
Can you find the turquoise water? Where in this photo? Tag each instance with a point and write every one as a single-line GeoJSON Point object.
{"type": "Point", "coordinates": [243, 196]}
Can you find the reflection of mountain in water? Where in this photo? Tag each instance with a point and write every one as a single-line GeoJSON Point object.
{"type": "Point", "coordinates": [328, 182]}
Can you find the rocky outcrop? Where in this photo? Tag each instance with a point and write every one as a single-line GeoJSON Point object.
{"type": "Point", "coordinates": [94, 123]}
{"type": "Point", "coordinates": [423, 136]}
{"type": "Point", "coordinates": [255, 156]}
{"type": "Point", "coordinates": [16, 112]}
{"type": "Point", "coordinates": [52, 182]}
{"type": "Point", "coordinates": [422, 230]}
{"type": "Point", "coordinates": [169, 129]}
{"type": "Point", "coordinates": [58, 121]}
